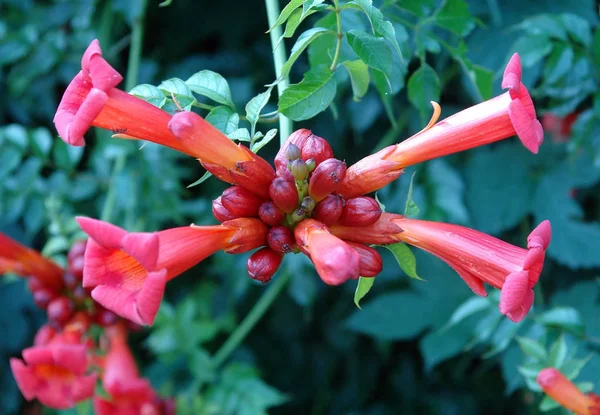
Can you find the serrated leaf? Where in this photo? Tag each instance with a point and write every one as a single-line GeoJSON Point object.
{"type": "Point", "coordinates": [406, 259]}
{"type": "Point", "coordinates": [411, 209]}
{"type": "Point", "coordinates": [211, 85]}
{"type": "Point", "coordinates": [424, 87]}
{"type": "Point", "coordinates": [309, 97]}
{"type": "Point", "coordinates": [302, 43]}
{"type": "Point", "coordinates": [533, 348]}
{"type": "Point", "coordinates": [359, 77]}
{"type": "Point", "coordinates": [362, 288]}
{"type": "Point", "coordinates": [255, 106]}
{"type": "Point", "coordinates": [379, 25]}
{"type": "Point", "coordinates": [150, 93]}
{"type": "Point", "coordinates": [372, 50]}
{"type": "Point", "coordinates": [224, 119]}
{"type": "Point", "coordinates": [286, 12]}
{"type": "Point", "coordinates": [454, 15]}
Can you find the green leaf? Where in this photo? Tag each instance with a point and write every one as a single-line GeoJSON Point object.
{"type": "Point", "coordinates": [301, 43]}
{"type": "Point", "coordinates": [533, 348]}
{"type": "Point", "coordinates": [177, 88]}
{"type": "Point", "coordinates": [359, 77]}
{"type": "Point", "coordinates": [454, 15]}
{"type": "Point", "coordinates": [379, 25]}
{"type": "Point", "coordinates": [362, 288]}
{"type": "Point", "coordinates": [255, 106]}
{"type": "Point", "coordinates": [201, 180]}
{"type": "Point", "coordinates": [310, 97]}
{"type": "Point", "coordinates": [483, 79]}
{"type": "Point", "coordinates": [309, 5]}
{"type": "Point", "coordinates": [532, 48]}
{"type": "Point", "coordinates": [65, 156]}
{"type": "Point", "coordinates": [264, 141]}
{"type": "Point", "coordinates": [578, 28]}
{"type": "Point", "coordinates": [424, 87]}
{"type": "Point", "coordinates": [449, 190]}
{"type": "Point", "coordinates": [151, 94]}
{"type": "Point", "coordinates": [559, 63]}
{"type": "Point", "coordinates": [224, 119]}
{"type": "Point", "coordinates": [566, 318]}
{"type": "Point", "coordinates": [286, 12]}
{"type": "Point", "coordinates": [417, 7]}
{"type": "Point", "coordinates": [558, 352]}
{"type": "Point", "coordinates": [406, 259]}
{"type": "Point", "coordinates": [470, 307]}
{"type": "Point", "coordinates": [572, 368]}
{"type": "Point", "coordinates": [380, 317]}
{"type": "Point", "coordinates": [241, 134]}
{"type": "Point", "coordinates": [211, 85]}
{"type": "Point", "coordinates": [411, 209]}
{"type": "Point", "coordinates": [545, 25]}
{"type": "Point", "coordinates": [372, 50]}
{"type": "Point", "coordinates": [41, 142]}
{"type": "Point", "coordinates": [291, 25]}
{"type": "Point", "coordinates": [547, 404]}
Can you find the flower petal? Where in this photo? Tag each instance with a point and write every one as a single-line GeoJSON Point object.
{"type": "Point", "coordinates": [528, 129]}
{"type": "Point", "coordinates": [513, 291]}
{"type": "Point", "coordinates": [143, 247]}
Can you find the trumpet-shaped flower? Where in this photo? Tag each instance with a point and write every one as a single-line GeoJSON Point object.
{"type": "Point", "coordinates": [336, 262]}
{"type": "Point", "coordinates": [509, 114]}
{"type": "Point", "coordinates": [563, 391]}
{"type": "Point", "coordinates": [26, 262]}
{"type": "Point", "coordinates": [475, 256]}
{"type": "Point", "coordinates": [55, 373]}
{"type": "Point", "coordinates": [128, 271]}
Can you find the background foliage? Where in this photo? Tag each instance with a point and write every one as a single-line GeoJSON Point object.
{"type": "Point", "coordinates": [417, 346]}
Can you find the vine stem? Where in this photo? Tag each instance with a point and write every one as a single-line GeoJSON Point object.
{"type": "Point", "coordinates": [131, 79]}
{"type": "Point", "coordinates": [340, 36]}
{"type": "Point", "coordinates": [253, 317]}
{"type": "Point", "coordinates": [279, 59]}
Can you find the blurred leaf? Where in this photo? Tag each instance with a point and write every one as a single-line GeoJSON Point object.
{"type": "Point", "coordinates": [310, 97]}
{"type": "Point", "coordinates": [483, 79]}
{"type": "Point", "coordinates": [578, 28]}
{"type": "Point", "coordinates": [548, 404]}
{"type": "Point", "coordinates": [224, 119]}
{"type": "Point", "coordinates": [558, 352]}
{"type": "Point", "coordinates": [211, 85]}
{"type": "Point", "coordinates": [411, 209]}
{"type": "Point", "coordinates": [301, 43]}
{"type": "Point", "coordinates": [470, 307]}
{"type": "Point", "coordinates": [359, 77]}
{"type": "Point", "coordinates": [424, 87]}
{"type": "Point", "coordinates": [545, 25]}
{"type": "Point", "coordinates": [572, 368]}
{"type": "Point", "coordinates": [532, 48]}
{"type": "Point", "coordinates": [201, 180]}
{"type": "Point", "coordinates": [406, 259]}
{"type": "Point", "coordinates": [559, 63]}
{"type": "Point", "coordinates": [41, 142]}
{"type": "Point", "coordinates": [533, 348]}
{"type": "Point", "coordinates": [372, 50]}
{"type": "Point", "coordinates": [449, 190]}
{"type": "Point", "coordinates": [454, 15]}
{"type": "Point", "coordinates": [362, 288]}
{"type": "Point", "coordinates": [566, 318]}
{"type": "Point", "coordinates": [417, 7]}
{"type": "Point", "coordinates": [65, 156]}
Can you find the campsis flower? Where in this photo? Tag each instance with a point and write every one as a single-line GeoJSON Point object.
{"type": "Point", "coordinates": [509, 114]}
{"type": "Point", "coordinates": [55, 373]}
{"type": "Point", "coordinates": [563, 391]}
{"type": "Point", "coordinates": [128, 271]}
{"type": "Point", "coordinates": [475, 256]}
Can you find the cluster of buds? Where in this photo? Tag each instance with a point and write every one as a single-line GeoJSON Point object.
{"type": "Point", "coordinates": [310, 203]}
{"type": "Point", "coordinates": [64, 364]}
{"type": "Point", "coordinates": [563, 391]}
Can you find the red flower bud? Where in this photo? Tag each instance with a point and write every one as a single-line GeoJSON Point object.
{"type": "Point", "coordinates": [326, 178]}
{"type": "Point", "coordinates": [263, 264]}
{"type": "Point", "coordinates": [298, 138]}
{"type": "Point", "coordinates": [77, 250]}
{"type": "Point", "coordinates": [360, 211]}
{"type": "Point", "coordinates": [284, 194]}
{"type": "Point", "coordinates": [370, 263]}
{"type": "Point", "coordinates": [240, 202]}
{"type": "Point", "coordinates": [76, 267]}
{"type": "Point", "coordinates": [60, 310]}
{"type": "Point", "coordinates": [104, 317]}
{"type": "Point", "coordinates": [34, 284]}
{"type": "Point", "coordinates": [79, 295]}
{"type": "Point", "coordinates": [329, 210]}
{"type": "Point", "coordinates": [220, 212]}
{"type": "Point", "coordinates": [316, 148]}
{"type": "Point", "coordinates": [270, 214]}
{"type": "Point", "coordinates": [42, 297]}
{"type": "Point", "coordinates": [292, 152]}
{"type": "Point", "coordinates": [70, 280]}
{"type": "Point", "coordinates": [281, 239]}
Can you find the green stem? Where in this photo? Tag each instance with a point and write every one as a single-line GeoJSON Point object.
{"type": "Point", "coordinates": [251, 319]}
{"type": "Point", "coordinates": [133, 68]}
{"type": "Point", "coordinates": [279, 58]}
{"type": "Point", "coordinates": [340, 36]}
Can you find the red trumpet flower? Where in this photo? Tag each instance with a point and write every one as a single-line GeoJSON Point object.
{"type": "Point", "coordinates": [476, 256]}
{"type": "Point", "coordinates": [511, 113]}
{"type": "Point", "coordinates": [27, 262]}
{"type": "Point", "coordinates": [563, 391]}
{"type": "Point", "coordinates": [128, 271]}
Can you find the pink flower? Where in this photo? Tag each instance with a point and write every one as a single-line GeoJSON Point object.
{"type": "Point", "coordinates": [55, 373]}
{"type": "Point", "coordinates": [27, 262]}
{"type": "Point", "coordinates": [563, 391]}
{"type": "Point", "coordinates": [509, 114]}
{"type": "Point", "coordinates": [335, 261]}
{"type": "Point", "coordinates": [476, 256]}
{"type": "Point", "coordinates": [128, 271]}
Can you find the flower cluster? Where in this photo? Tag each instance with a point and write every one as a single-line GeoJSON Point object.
{"type": "Point", "coordinates": [563, 391]}
{"type": "Point", "coordinates": [64, 364]}
{"type": "Point", "coordinates": [310, 203]}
